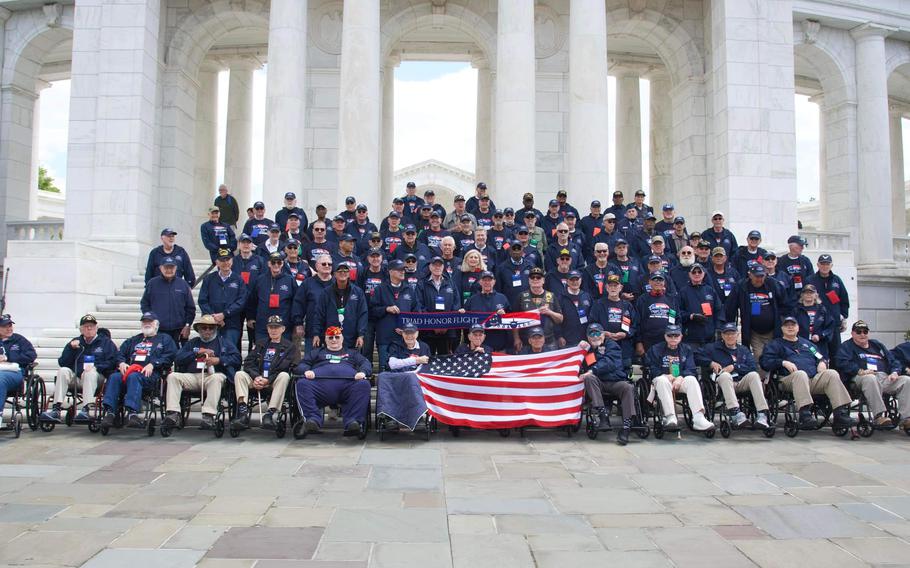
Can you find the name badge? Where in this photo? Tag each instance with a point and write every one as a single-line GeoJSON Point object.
{"type": "Point", "coordinates": [440, 303]}
{"type": "Point", "coordinates": [222, 240]}
{"type": "Point", "coordinates": [141, 355]}
{"type": "Point", "coordinates": [200, 363]}
{"type": "Point", "coordinates": [671, 316]}
{"type": "Point", "coordinates": [516, 280]}
{"type": "Point", "coordinates": [340, 316]}
{"type": "Point", "coordinates": [265, 369]}
{"type": "Point", "coordinates": [798, 282]}
{"type": "Point", "coordinates": [871, 365]}
{"type": "Point", "coordinates": [582, 316]}
{"type": "Point", "coordinates": [756, 308]}
{"type": "Point", "coordinates": [626, 322]}
{"type": "Point", "coordinates": [88, 363]}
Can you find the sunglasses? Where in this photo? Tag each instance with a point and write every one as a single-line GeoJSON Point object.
{"type": "Point", "coordinates": [318, 230]}
{"type": "Point", "coordinates": [861, 331]}
{"type": "Point", "coordinates": [563, 231]}
{"type": "Point", "coordinates": [601, 251]}
{"type": "Point", "coordinates": [685, 254]}
{"type": "Point", "coordinates": [696, 272]}
{"type": "Point", "coordinates": [594, 334]}
{"type": "Point", "coordinates": [325, 264]}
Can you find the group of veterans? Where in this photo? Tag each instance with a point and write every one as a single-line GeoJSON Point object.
{"type": "Point", "coordinates": [319, 298]}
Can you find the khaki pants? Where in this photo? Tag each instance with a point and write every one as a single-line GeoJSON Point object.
{"type": "Point", "coordinates": [750, 383]}
{"type": "Point", "coordinates": [242, 385]}
{"type": "Point", "coordinates": [827, 383]}
{"type": "Point", "coordinates": [665, 386]}
{"type": "Point", "coordinates": [757, 343]}
{"type": "Point", "coordinates": [67, 378]}
{"type": "Point", "coordinates": [195, 382]}
{"type": "Point", "coordinates": [873, 386]}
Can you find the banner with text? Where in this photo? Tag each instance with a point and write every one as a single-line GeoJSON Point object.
{"type": "Point", "coordinates": [459, 320]}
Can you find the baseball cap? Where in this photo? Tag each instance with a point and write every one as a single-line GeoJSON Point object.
{"type": "Point", "coordinates": [527, 196]}
{"type": "Point", "coordinates": [436, 259]}
{"type": "Point", "coordinates": [411, 184]}
{"type": "Point", "coordinates": [274, 227]}
{"type": "Point", "coordinates": [395, 215]}
{"type": "Point", "coordinates": [477, 327]}
{"type": "Point", "coordinates": [657, 276]}
{"type": "Point", "coordinates": [595, 203]}
{"type": "Point", "coordinates": [349, 199]}
{"type": "Point", "coordinates": [561, 193]}
{"type": "Point", "coordinates": [679, 219]}
{"type": "Point", "coordinates": [655, 258]}
{"type": "Point", "coordinates": [168, 261]}
{"type": "Point", "coordinates": [523, 229]}
{"type": "Point", "coordinates": [347, 237]}
{"type": "Point", "coordinates": [617, 193]}
{"type": "Point", "coordinates": [668, 207]}
{"type": "Point", "coordinates": [398, 201]}
{"type": "Point", "coordinates": [409, 328]}
{"type": "Point", "coordinates": [795, 239]}
{"type": "Point", "coordinates": [614, 279]}
{"type": "Point", "coordinates": [459, 198]}
{"type": "Point", "coordinates": [146, 316]}
{"type": "Point", "coordinates": [435, 213]}
{"type": "Point", "coordinates": [754, 235]}
{"type": "Point", "coordinates": [595, 329]}
{"type": "Point", "coordinates": [515, 244]}
{"type": "Point", "coordinates": [757, 269]}
{"type": "Point", "coordinates": [224, 254]}
{"type": "Point", "coordinates": [342, 266]}
{"type": "Point", "coordinates": [788, 319]}
{"type": "Point", "coordinates": [276, 256]}
{"type": "Point", "coordinates": [554, 203]}
{"type": "Point", "coordinates": [859, 324]}
{"type": "Point", "coordinates": [396, 265]}
{"type": "Point", "coordinates": [657, 239]}
{"type": "Point", "coordinates": [484, 197]}
{"type": "Point", "coordinates": [375, 252]}
{"type": "Point", "coordinates": [565, 252]}
{"type": "Point", "coordinates": [375, 235]}
{"type": "Point", "coordinates": [536, 330]}
{"type": "Point", "coordinates": [529, 214]}
{"type": "Point", "coordinates": [640, 192]}
{"type": "Point", "coordinates": [294, 214]}
{"type": "Point", "coordinates": [409, 257]}
{"type": "Point", "coordinates": [259, 205]}
{"type": "Point", "coordinates": [410, 229]}
{"type": "Point", "coordinates": [244, 237]}
{"type": "Point", "coordinates": [290, 195]}
{"type": "Point", "coordinates": [574, 274]}
{"type": "Point", "coordinates": [536, 271]}
{"type": "Point", "coordinates": [486, 274]}
{"type": "Point", "coordinates": [214, 209]}
{"type": "Point", "coordinates": [728, 327]}
{"type": "Point", "coordinates": [673, 329]}
{"type": "Point", "coordinates": [274, 321]}
{"type": "Point", "coordinates": [338, 218]}
{"type": "Point", "coordinates": [808, 288]}
{"type": "Point", "coordinates": [361, 207]}
{"type": "Point", "coordinates": [825, 259]}
{"type": "Point", "coordinates": [508, 211]}
{"type": "Point", "coordinates": [716, 213]}
{"type": "Point", "coordinates": [609, 217]}
{"type": "Point", "coordinates": [770, 254]}
{"type": "Point", "coordinates": [698, 266]}
{"type": "Point", "coordinates": [620, 241]}
{"type": "Point", "coordinates": [429, 192]}
{"type": "Point", "coordinates": [718, 251]}
{"type": "Point", "coordinates": [168, 231]}
{"type": "Point", "coordinates": [87, 318]}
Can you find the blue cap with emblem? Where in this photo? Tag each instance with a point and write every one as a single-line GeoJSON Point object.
{"type": "Point", "coordinates": [168, 261]}
{"type": "Point", "coordinates": [396, 265]}
{"type": "Point", "coordinates": [146, 316]}
{"type": "Point", "coordinates": [6, 319]}
{"type": "Point", "coordinates": [673, 329]}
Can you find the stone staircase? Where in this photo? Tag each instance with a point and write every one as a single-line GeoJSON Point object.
{"type": "Point", "coordinates": [119, 313]}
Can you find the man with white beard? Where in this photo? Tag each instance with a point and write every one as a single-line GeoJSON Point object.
{"type": "Point", "coordinates": [679, 273]}
{"type": "Point", "coordinates": [142, 359]}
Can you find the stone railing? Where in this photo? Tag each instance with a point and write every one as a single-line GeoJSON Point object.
{"type": "Point", "coordinates": [902, 251]}
{"type": "Point", "coordinates": [826, 240]}
{"type": "Point", "coordinates": [34, 230]}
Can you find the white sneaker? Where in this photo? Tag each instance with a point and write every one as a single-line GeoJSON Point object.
{"type": "Point", "coordinates": [762, 421]}
{"type": "Point", "coordinates": [700, 423]}
{"type": "Point", "coordinates": [1, 422]}
{"type": "Point", "coordinates": [739, 419]}
{"type": "Point", "coordinates": [670, 422]}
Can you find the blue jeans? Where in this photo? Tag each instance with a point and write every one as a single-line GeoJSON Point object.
{"type": "Point", "coordinates": [353, 397]}
{"type": "Point", "coordinates": [135, 384]}
{"type": "Point", "coordinates": [232, 335]}
{"type": "Point", "coordinates": [369, 341]}
{"type": "Point", "coordinates": [383, 357]}
{"type": "Point", "coordinates": [10, 381]}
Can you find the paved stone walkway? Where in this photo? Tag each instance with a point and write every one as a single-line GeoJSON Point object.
{"type": "Point", "coordinates": [127, 501]}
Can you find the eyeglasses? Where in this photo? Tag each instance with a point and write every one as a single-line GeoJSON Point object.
{"type": "Point", "coordinates": [861, 331]}
{"type": "Point", "coordinates": [594, 334]}
{"type": "Point", "coordinates": [276, 262]}
{"type": "Point", "coordinates": [318, 230]}
{"type": "Point", "coordinates": [610, 221]}
{"type": "Point", "coordinates": [696, 272]}
{"type": "Point", "coordinates": [601, 251]}
{"type": "Point", "coordinates": [411, 260]}
{"type": "Point", "coordinates": [325, 264]}
{"type": "Point", "coordinates": [331, 337]}
{"type": "Point", "coordinates": [685, 254]}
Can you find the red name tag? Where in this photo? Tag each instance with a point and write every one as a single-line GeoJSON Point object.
{"type": "Point", "coordinates": [706, 309]}
{"type": "Point", "coordinates": [833, 297]}
{"type": "Point", "coordinates": [274, 300]}
{"type": "Point", "coordinates": [590, 358]}
{"type": "Point", "coordinates": [246, 277]}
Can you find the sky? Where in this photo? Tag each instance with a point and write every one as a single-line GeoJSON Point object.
{"type": "Point", "coordinates": [435, 115]}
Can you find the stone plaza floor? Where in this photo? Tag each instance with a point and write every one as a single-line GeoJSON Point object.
{"type": "Point", "coordinates": [126, 501]}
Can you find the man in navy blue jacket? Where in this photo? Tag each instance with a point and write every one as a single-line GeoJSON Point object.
{"type": "Point", "coordinates": [604, 374]}
{"type": "Point", "coordinates": [760, 302]}
{"type": "Point", "coordinates": [804, 371]}
{"type": "Point", "coordinates": [720, 236]}
{"type": "Point", "coordinates": [833, 294]}
{"type": "Point", "coordinates": [14, 348]}
{"type": "Point", "coordinates": [172, 299]}
{"type": "Point", "coordinates": [671, 364]}
{"type": "Point", "coordinates": [224, 295]}
{"type": "Point", "coordinates": [874, 370]}
{"type": "Point", "coordinates": [84, 360]}
{"type": "Point", "coordinates": [700, 309]}
{"type": "Point", "coordinates": [142, 358]}
{"type": "Point", "coordinates": [271, 295]}
{"type": "Point", "coordinates": [290, 206]}
{"type": "Point", "coordinates": [390, 299]}
{"type": "Point", "coordinates": [217, 235]}
{"type": "Point", "coordinates": [170, 249]}
{"type": "Point", "coordinates": [342, 304]}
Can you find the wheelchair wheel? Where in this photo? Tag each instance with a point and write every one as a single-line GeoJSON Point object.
{"type": "Point", "coordinates": [709, 434]}
{"type": "Point", "coordinates": [47, 426]}
{"type": "Point", "coordinates": [658, 428]}
{"type": "Point", "coordinates": [234, 432]}
{"type": "Point", "coordinates": [769, 432]}
{"type": "Point", "coordinates": [505, 432]}
{"type": "Point", "coordinates": [219, 426]}
{"type": "Point", "coordinates": [380, 429]}
{"type": "Point", "coordinates": [839, 431]}
{"type": "Point", "coordinates": [590, 428]}
{"type": "Point", "coordinates": [864, 427]}
{"type": "Point", "coordinates": [299, 430]}
{"type": "Point", "coordinates": [17, 424]}
{"type": "Point", "coordinates": [150, 426]}
{"type": "Point", "coordinates": [725, 429]}
{"type": "Point", "coordinates": [70, 414]}
{"type": "Point", "coordinates": [643, 432]}
{"type": "Point", "coordinates": [165, 431]}
{"type": "Point", "coordinates": [93, 426]}
{"type": "Point", "coordinates": [105, 430]}
{"type": "Point", "coordinates": [791, 427]}
{"type": "Point", "coordinates": [35, 400]}
{"type": "Point", "coordinates": [430, 425]}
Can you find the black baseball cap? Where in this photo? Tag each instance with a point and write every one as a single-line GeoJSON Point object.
{"type": "Point", "coordinates": [290, 195]}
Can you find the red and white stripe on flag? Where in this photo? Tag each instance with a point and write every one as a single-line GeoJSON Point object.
{"type": "Point", "coordinates": [519, 390]}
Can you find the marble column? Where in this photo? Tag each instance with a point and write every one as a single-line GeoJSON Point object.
{"type": "Point", "coordinates": [238, 147]}
{"type": "Point", "coordinates": [898, 190]}
{"type": "Point", "coordinates": [661, 154]}
{"type": "Point", "coordinates": [628, 132]}
{"type": "Point", "coordinates": [285, 105]}
{"type": "Point", "coordinates": [388, 190]}
{"type": "Point", "coordinates": [205, 140]}
{"type": "Point", "coordinates": [360, 106]}
{"type": "Point", "coordinates": [823, 201]}
{"type": "Point", "coordinates": [36, 159]}
{"type": "Point", "coordinates": [589, 147]}
{"type": "Point", "coordinates": [515, 99]}
{"type": "Point", "coordinates": [484, 128]}
{"type": "Point", "coordinates": [875, 222]}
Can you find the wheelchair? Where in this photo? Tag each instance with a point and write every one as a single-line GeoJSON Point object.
{"type": "Point", "coordinates": [224, 410]}
{"type": "Point", "coordinates": [152, 409]}
{"type": "Point", "coordinates": [746, 404]}
{"type": "Point", "coordinates": [865, 418]}
{"type": "Point", "coordinates": [299, 421]}
{"type": "Point", "coordinates": [639, 423]}
{"type": "Point", "coordinates": [259, 401]}
{"type": "Point", "coordinates": [654, 410]}
{"type": "Point", "coordinates": [24, 404]}
{"type": "Point", "coordinates": [75, 400]}
{"type": "Point", "coordinates": [821, 410]}
{"type": "Point", "coordinates": [430, 424]}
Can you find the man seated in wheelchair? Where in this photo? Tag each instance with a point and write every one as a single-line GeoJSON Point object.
{"type": "Point", "coordinates": [140, 362]}
{"type": "Point", "coordinates": [671, 363]}
{"type": "Point", "coordinates": [604, 374]}
{"type": "Point", "coordinates": [334, 374]}
{"type": "Point", "coordinates": [736, 372]}
{"type": "Point", "coordinates": [16, 354]}
{"type": "Point", "coordinates": [84, 359]}
{"type": "Point", "coordinates": [268, 366]}
{"type": "Point", "coordinates": [795, 360]}
{"type": "Point", "coordinates": [203, 363]}
{"type": "Point", "coordinates": [875, 371]}
{"type": "Point", "coordinates": [399, 396]}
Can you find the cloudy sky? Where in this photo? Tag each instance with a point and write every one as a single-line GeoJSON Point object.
{"type": "Point", "coordinates": [435, 105]}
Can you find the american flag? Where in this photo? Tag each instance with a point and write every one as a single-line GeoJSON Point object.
{"type": "Point", "coordinates": [504, 391]}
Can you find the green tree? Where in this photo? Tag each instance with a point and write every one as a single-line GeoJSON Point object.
{"type": "Point", "coordinates": [46, 182]}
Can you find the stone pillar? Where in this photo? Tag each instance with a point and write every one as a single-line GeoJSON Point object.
{"type": "Point", "coordinates": [238, 148]}
{"type": "Point", "coordinates": [205, 140]}
{"type": "Point", "coordinates": [898, 190]}
{"type": "Point", "coordinates": [875, 226]}
{"type": "Point", "coordinates": [823, 204]}
{"type": "Point", "coordinates": [483, 152]}
{"type": "Point", "coordinates": [690, 150]}
{"type": "Point", "coordinates": [589, 147]}
{"type": "Point", "coordinates": [752, 78]}
{"type": "Point", "coordinates": [661, 159]}
{"type": "Point", "coordinates": [16, 152]}
{"type": "Point", "coordinates": [388, 190]}
{"type": "Point", "coordinates": [36, 159]}
{"type": "Point", "coordinates": [360, 110]}
{"type": "Point", "coordinates": [628, 132]}
{"type": "Point", "coordinates": [285, 107]}
{"type": "Point", "coordinates": [515, 99]}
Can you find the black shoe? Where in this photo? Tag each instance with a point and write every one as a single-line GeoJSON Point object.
{"type": "Point", "coordinates": [242, 420]}
{"type": "Point", "coordinates": [171, 420]}
{"type": "Point", "coordinates": [51, 416]}
{"type": "Point", "coordinates": [622, 437]}
{"type": "Point", "coordinates": [134, 421]}
{"type": "Point", "coordinates": [108, 419]}
{"type": "Point", "coordinates": [268, 420]}
{"type": "Point", "coordinates": [603, 420]}
{"type": "Point", "coordinates": [312, 427]}
{"type": "Point", "coordinates": [352, 429]}
{"type": "Point", "coordinates": [806, 420]}
{"type": "Point", "coordinates": [842, 418]}
{"type": "Point", "coordinates": [84, 416]}
{"type": "Point", "coordinates": [208, 422]}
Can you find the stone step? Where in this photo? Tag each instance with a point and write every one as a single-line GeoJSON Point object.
{"type": "Point", "coordinates": [117, 312]}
